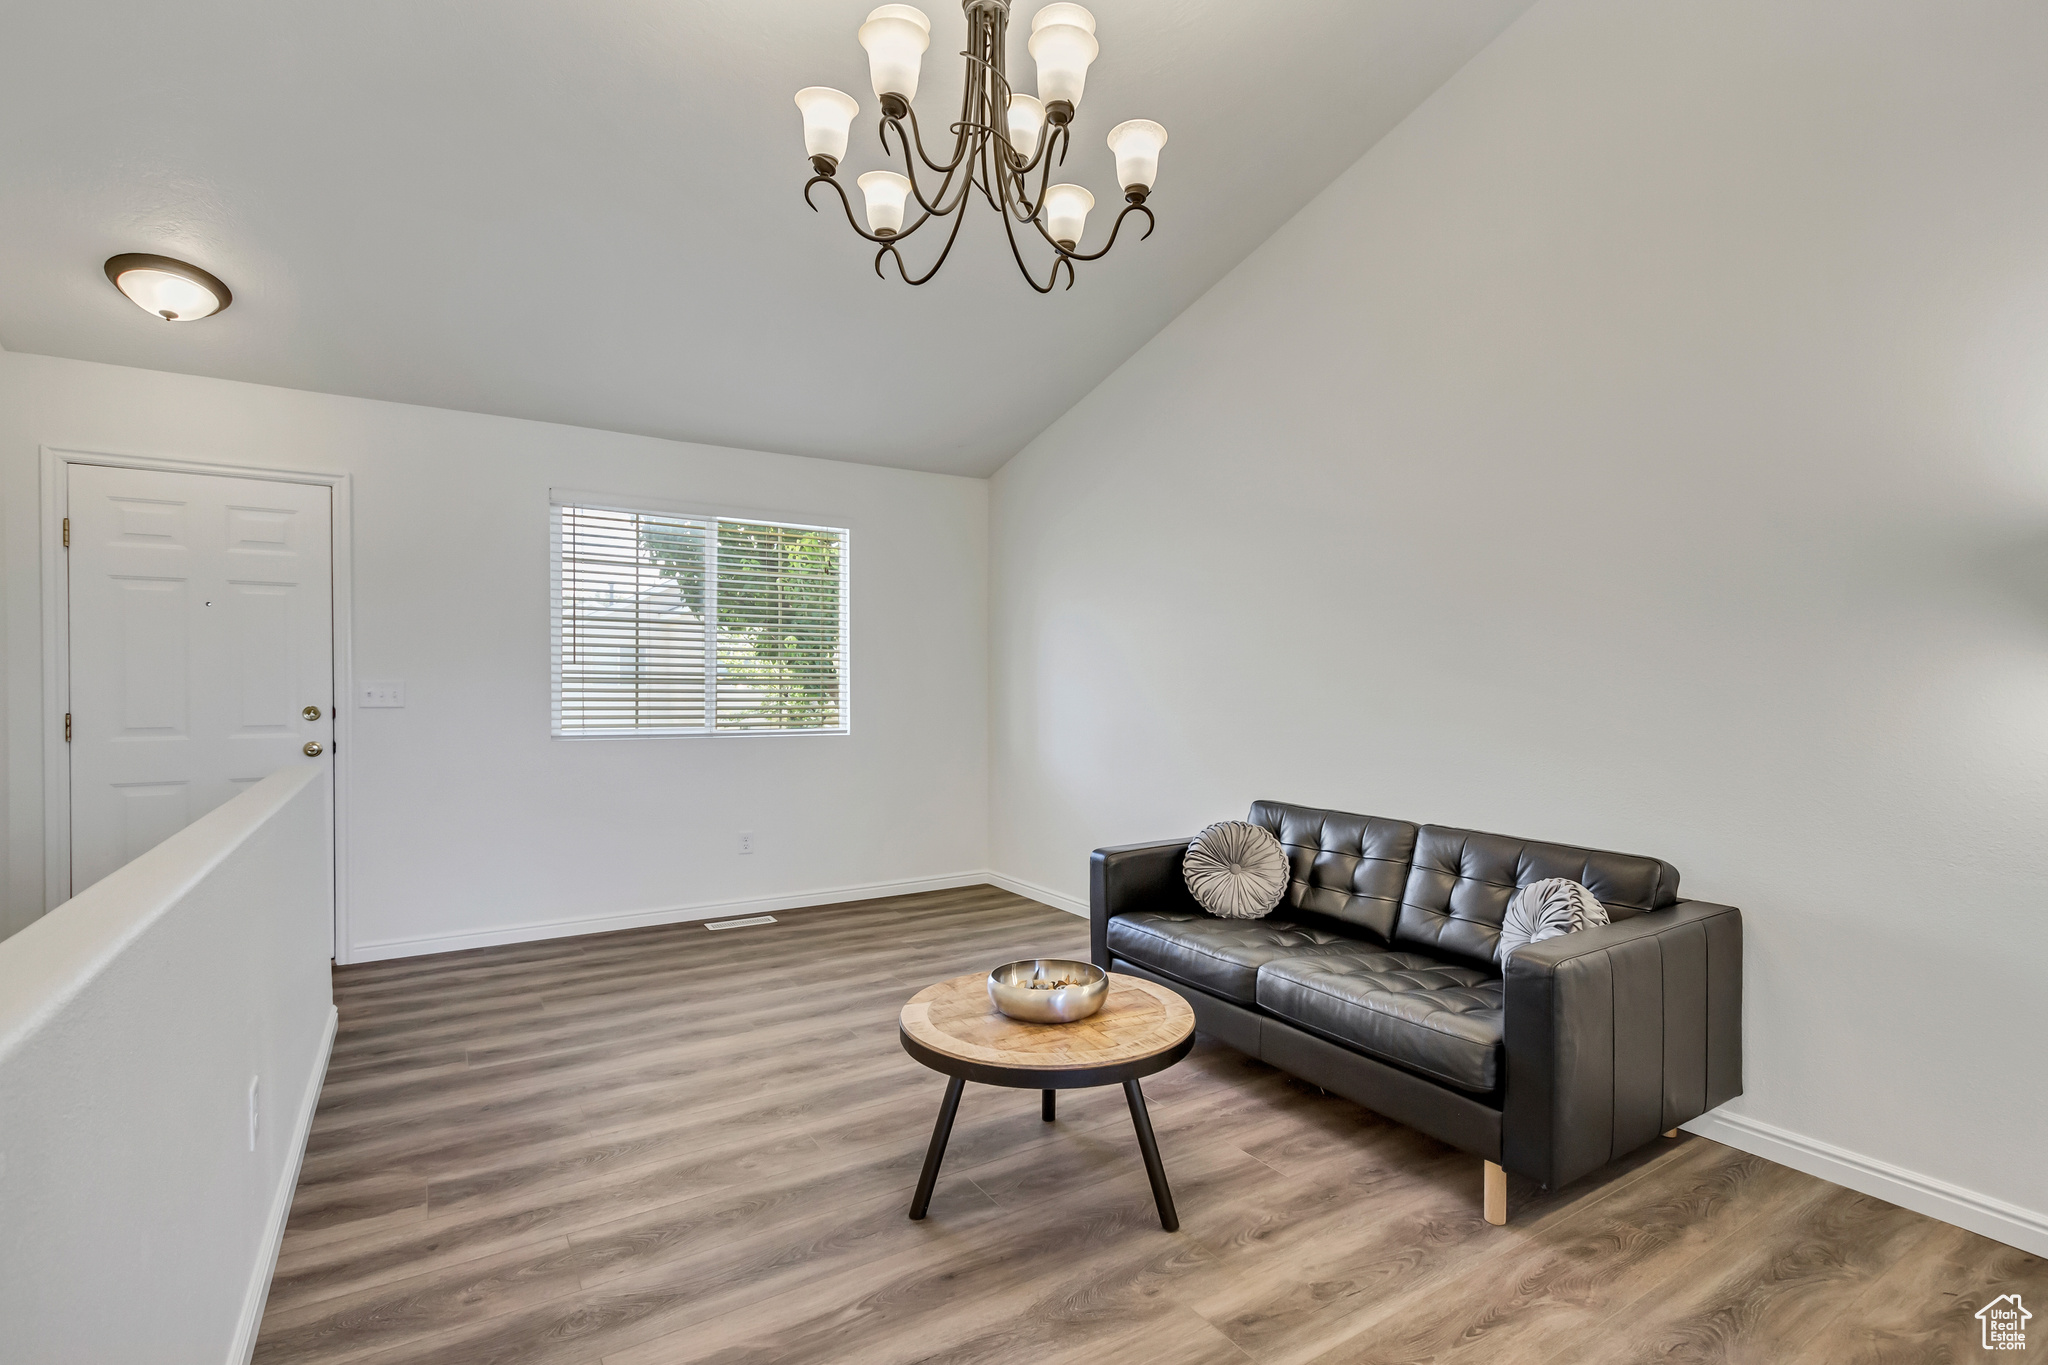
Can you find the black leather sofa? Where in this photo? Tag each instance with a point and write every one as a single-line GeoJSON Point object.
{"type": "Point", "coordinates": [1375, 979]}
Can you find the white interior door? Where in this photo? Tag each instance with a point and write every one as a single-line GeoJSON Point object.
{"type": "Point", "coordinates": [201, 648]}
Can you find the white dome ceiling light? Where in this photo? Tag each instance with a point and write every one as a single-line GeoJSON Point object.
{"type": "Point", "coordinates": [172, 290]}
{"type": "Point", "coordinates": [1000, 138]}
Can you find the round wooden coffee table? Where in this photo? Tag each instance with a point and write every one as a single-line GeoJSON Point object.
{"type": "Point", "coordinates": [1140, 1029]}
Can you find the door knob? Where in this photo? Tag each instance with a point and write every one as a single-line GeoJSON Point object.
{"type": "Point", "coordinates": [311, 713]}
{"type": "Point", "coordinates": [312, 748]}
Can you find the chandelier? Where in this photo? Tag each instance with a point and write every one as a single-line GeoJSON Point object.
{"type": "Point", "coordinates": [1000, 139]}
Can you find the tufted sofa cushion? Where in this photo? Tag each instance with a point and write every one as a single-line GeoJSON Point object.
{"type": "Point", "coordinates": [1220, 955]}
{"type": "Point", "coordinates": [1417, 1012]}
{"type": "Point", "coordinates": [1349, 867]}
{"type": "Point", "coordinates": [1458, 888]}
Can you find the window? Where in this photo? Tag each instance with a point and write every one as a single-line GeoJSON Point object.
{"type": "Point", "coordinates": [683, 624]}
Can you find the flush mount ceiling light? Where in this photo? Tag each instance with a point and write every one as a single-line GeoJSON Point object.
{"type": "Point", "coordinates": [173, 290]}
{"type": "Point", "coordinates": [1000, 138]}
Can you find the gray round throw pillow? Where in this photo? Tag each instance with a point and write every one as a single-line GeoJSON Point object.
{"type": "Point", "coordinates": [1546, 909]}
{"type": "Point", "coordinates": [1235, 870]}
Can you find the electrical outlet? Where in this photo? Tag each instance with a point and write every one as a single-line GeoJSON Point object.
{"type": "Point", "coordinates": [255, 1110]}
{"type": "Point", "coordinates": [746, 841]}
{"type": "Point", "coordinates": [382, 694]}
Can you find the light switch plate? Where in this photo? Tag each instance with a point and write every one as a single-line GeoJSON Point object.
{"type": "Point", "coordinates": [383, 694]}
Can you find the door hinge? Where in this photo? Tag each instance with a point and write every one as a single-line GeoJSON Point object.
{"type": "Point", "coordinates": [67, 727]}
{"type": "Point", "coordinates": [67, 533]}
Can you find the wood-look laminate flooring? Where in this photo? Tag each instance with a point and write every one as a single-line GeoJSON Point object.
{"type": "Point", "coordinates": [675, 1145]}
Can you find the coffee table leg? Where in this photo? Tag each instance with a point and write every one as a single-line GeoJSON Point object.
{"type": "Point", "coordinates": [1147, 1144]}
{"type": "Point", "coordinates": [1045, 1106]}
{"type": "Point", "coordinates": [936, 1153]}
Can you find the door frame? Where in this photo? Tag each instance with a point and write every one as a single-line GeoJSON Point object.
{"type": "Point", "coordinates": [56, 491]}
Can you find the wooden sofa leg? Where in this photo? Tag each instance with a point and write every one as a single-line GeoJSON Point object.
{"type": "Point", "coordinates": [1671, 1132]}
{"type": "Point", "coordinates": [1496, 1194]}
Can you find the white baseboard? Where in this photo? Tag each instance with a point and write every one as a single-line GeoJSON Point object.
{"type": "Point", "coordinates": [281, 1204]}
{"type": "Point", "coordinates": [1032, 891]}
{"type": "Point", "coordinates": [675, 914]}
{"type": "Point", "coordinates": [1980, 1213]}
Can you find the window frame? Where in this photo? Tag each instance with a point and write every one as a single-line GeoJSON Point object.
{"type": "Point", "coordinates": [560, 498]}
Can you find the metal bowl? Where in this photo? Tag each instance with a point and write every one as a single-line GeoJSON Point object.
{"type": "Point", "coordinates": [1009, 990]}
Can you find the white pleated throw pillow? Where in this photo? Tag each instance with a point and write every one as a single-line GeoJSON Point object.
{"type": "Point", "coordinates": [1547, 909]}
{"type": "Point", "coordinates": [1235, 870]}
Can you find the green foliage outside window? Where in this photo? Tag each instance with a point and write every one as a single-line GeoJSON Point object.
{"type": "Point", "coordinates": [778, 607]}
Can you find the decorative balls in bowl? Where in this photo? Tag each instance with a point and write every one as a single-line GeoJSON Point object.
{"type": "Point", "coordinates": [1048, 990]}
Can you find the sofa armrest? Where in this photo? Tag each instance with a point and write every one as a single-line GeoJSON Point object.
{"type": "Point", "coordinates": [1132, 877]}
{"type": "Point", "coordinates": [1616, 1034]}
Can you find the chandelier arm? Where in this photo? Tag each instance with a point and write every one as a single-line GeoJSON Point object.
{"type": "Point", "coordinates": [917, 138]}
{"type": "Point", "coordinates": [931, 209]}
{"type": "Point", "coordinates": [985, 78]}
{"type": "Point", "coordinates": [1017, 182]}
{"type": "Point", "coordinates": [997, 193]}
{"type": "Point", "coordinates": [1005, 182]}
{"type": "Point", "coordinates": [910, 165]}
{"type": "Point", "coordinates": [999, 101]}
{"type": "Point", "coordinates": [1044, 147]}
{"type": "Point", "coordinates": [967, 92]}
{"type": "Point", "coordinates": [998, 128]}
{"type": "Point", "coordinates": [968, 87]}
{"type": "Point", "coordinates": [944, 252]}
{"type": "Point", "coordinates": [1129, 209]}
{"type": "Point", "coordinates": [1018, 165]}
{"type": "Point", "coordinates": [1018, 206]}
{"type": "Point", "coordinates": [847, 204]}
{"type": "Point", "coordinates": [991, 157]}
{"type": "Point", "coordinates": [1001, 163]}
{"type": "Point", "coordinates": [1010, 231]}
{"type": "Point", "coordinates": [941, 209]}
{"type": "Point", "coordinates": [963, 129]}
{"type": "Point", "coordinates": [1020, 198]}
{"type": "Point", "coordinates": [1045, 170]}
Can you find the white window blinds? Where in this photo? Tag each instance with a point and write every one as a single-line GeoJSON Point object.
{"type": "Point", "coordinates": [679, 625]}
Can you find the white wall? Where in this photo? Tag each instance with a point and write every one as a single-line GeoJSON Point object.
{"type": "Point", "coordinates": [467, 822]}
{"type": "Point", "coordinates": [1645, 446]}
{"type": "Point", "coordinates": [136, 1222]}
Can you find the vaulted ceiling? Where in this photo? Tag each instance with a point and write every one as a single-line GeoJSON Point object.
{"type": "Point", "coordinates": [590, 213]}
